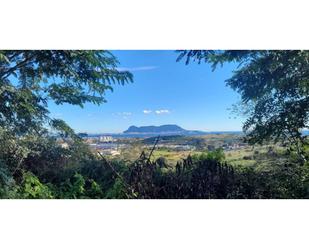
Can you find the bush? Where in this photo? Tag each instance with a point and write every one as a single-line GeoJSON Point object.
{"type": "Point", "coordinates": [37, 167]}
{"type": "Point", "coordinates": [32, 188]}
{"type": "Point", "coordinates": [217, 154]}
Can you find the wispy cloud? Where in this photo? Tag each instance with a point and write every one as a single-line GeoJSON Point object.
{"type": "Point", "coordinates": [164, 111]}
{"type": "Point", "coordinates": [136, 69]}
{"type": "Point", "coordinates": [158, 112]}
{"type": "Point", "coordinates": [147, 111]}
{"type": "Point", "coordinates": [124, 115]}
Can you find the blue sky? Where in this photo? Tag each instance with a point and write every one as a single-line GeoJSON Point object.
{"type": "Point", "coordinates": [163, 92]}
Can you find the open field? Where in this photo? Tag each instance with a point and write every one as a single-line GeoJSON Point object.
{"type": "Point", "coordinates": [176, 148]}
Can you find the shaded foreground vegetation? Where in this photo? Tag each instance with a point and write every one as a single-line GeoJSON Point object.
{"type": "Point", "coordinates": [46, 170]}
{"type": "Point", "coordinates": [274, 93]}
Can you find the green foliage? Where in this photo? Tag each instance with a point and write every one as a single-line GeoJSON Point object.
{"type": "Point", "coordinates": [94, 190]}
{"type": "Point", "coordinates": [118, 191]}
{"type": "Point", "coordinates": [217, 155]}
{"type": "Point", "coordinates": [32, 188]}
{"type": "Point", "coordinates": [73, 188]}
{"type": "Point", "coordinates": [8, 188]}
{"type": "Point", "coordinates": [273, 84]}
{"type": "Point", "coordinates": [31, 78]}
{"type": "Point", "coordinates": [102, 173]}
{"type": "Point", "coordinates": [274, 88]}
{"type": "Point", "coordinates": [204, 176]}
{"type": "Point", "coordinates": [208, 178]}
{"type": "Point", "coordinates": [64, 130]}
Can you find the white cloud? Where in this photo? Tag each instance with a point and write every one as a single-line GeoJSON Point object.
{"type": "Point", "coordinates": [158, 112]}
{"type": "Point", "coordinates": [135, 69]}
{"type": "Point", "coordinates": [164, 111]}
{"type": "Point", "coordinates": [147, 111]}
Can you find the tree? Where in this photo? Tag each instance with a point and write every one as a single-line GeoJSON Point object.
{"type": "Point", "coordinates": [30, 79]}
{"type": "Point", "coordinates": [274, 89]}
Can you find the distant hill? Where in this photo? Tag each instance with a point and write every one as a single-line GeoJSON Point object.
{"type": "Point", "coordinates": [155, 129]}
{"type": "Point", "coordinates": [163, 129]}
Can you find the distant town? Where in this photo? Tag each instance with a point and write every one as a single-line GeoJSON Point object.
{"type": "Point", "coordinates": [184, 141]}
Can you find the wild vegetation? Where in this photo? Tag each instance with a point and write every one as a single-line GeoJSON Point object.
{"type": "Point", "coordinates": [49, 171]}
{"type": "Point", "coordinates": [274, 86]}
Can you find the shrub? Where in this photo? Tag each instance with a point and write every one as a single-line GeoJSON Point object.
{"type": "Point", "coordinates": [32, 188]}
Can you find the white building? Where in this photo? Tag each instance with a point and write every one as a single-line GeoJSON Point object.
{"type": "Point", "coordinates": [106, 139]}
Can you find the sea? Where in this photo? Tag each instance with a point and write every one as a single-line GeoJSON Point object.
{"type": "Point", "coordinates": [146, 135]}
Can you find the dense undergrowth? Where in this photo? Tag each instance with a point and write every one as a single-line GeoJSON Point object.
{"type": "Point", "coordinates": [37, 167]}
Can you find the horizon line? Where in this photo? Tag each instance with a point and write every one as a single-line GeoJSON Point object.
{"type": "Point", "coordinates": [93, 133]}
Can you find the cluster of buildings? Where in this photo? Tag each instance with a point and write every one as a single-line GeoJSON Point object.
{"type": "Point", "coordinates": [99, 139]}
{"type": "Point", "coordinates": [105, 145]}
{"type": "Point", "coordinates": [176, 147]}
{"type": "Point", "coordinates": [108, 145]}
{"type": "Point", "coordinates": [234, 146]}
{"type": "Point", "coordinates": [107, 139]}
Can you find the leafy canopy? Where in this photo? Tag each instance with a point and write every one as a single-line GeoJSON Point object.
{"type": "Point", "coordinates": [30, 79]}
{"type": "Point", "coordinates": [274, 88]}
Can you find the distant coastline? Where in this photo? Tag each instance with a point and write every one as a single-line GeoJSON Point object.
{"type": "Point", "coordinates": [143, 135]}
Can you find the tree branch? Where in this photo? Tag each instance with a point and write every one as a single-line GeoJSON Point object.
{"type": "Point", "coordinates": [11, 70]}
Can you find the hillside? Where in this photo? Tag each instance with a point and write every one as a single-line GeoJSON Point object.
{"type": "Point", "coordinates": [156, 129]}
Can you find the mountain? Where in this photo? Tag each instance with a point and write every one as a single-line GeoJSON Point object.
{"type": "Point", "coordinates": [163, 129]}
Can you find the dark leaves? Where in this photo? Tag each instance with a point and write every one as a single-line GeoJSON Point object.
{"type": "Point", "coordinates": [274, 85]}
{"type": "Point", "coordinates": [28, 79]}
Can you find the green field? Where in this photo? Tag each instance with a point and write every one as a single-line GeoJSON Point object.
{"type": "Point", "coordinates": [246, 155]}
